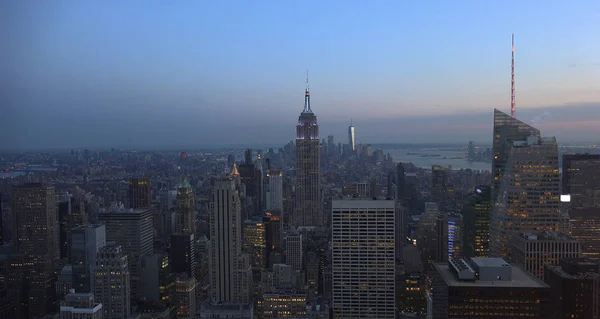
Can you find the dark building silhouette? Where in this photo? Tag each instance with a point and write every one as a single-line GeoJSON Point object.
{"type": "Point", "coordinates": [581, 181]}
{"type": "Point", "coordinates": [575, 286]}
{"type": "Point", "coordinates": [140, 193]}
{"type": "Point", "coordinates": [476, 213]}
{"type": "Point", "coordinates": [248, 177]}
{"type": "Point", "coordinates": [439, 184]}
{"type": "Point", "coordinates": [185, 216]}
{"type": "Point", "coordinates": [133, 231]}
{"type": "Point", "coordinates": [85, 243]}
{"type": "Point", "coordinates": [1, 222]}
{"type": "Point", "coordinates": [34, 218]}
{"type": "Point", "coordinates": [248, 157]}
{"type": "Point", "coordinates": [487, 287]}
{"type": "Point", "coordinates": [182, 254]}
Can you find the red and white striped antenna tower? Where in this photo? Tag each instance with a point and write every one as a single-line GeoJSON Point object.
{"type": "Point", "coordinates": [513, 111]}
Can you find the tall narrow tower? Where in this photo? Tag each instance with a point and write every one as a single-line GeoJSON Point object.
{"type": "Point", "coordinates": [308, 200]}
{"type": "Point", "coordinates": [230, 271]}
{"type": "Point", "coordinates": [513, 111]}
{"type": "Point", "coordinates": [351, 137]}
{"type": "Point", "coordinates": [185, 221]}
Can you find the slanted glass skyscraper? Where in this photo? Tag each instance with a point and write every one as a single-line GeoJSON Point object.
{"type": "Point", "coordinates": [506, 128]}
{"type": "Point", "coordinates": [308, 174]}
{"type": "Point", "coordinates": [529, 195]}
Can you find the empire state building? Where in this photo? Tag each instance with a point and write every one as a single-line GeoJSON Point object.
{"type": "Point", "coordinates": [308, 173]}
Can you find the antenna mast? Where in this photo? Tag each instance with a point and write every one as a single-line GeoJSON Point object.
{"type": "Point", "coordinates": [307, 89]}
{"type": "Point", "coordinates": [513, 111]}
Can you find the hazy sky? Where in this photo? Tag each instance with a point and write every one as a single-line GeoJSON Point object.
{"type": "Point", "coordinates": [182, 72]}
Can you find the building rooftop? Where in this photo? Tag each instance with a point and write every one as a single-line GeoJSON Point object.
{"type": "Point", "coordinates": [545, 235]}
{"type": "Point", "coordinates": [120, 210]}
{"type": "Point", "coordinates": [520, 277]}
{"type": "Point", "coordinates": [365, 202]}
{"type": "Point", "coordinates": [225, 306]}
{"type": "Point", "coordinates": [489, 262]}
{"type": "Point", "coordinates": [580, 275]}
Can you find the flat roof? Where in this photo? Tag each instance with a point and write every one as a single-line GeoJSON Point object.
{"type": "Point", "coordinates": [520, 279]}
{"type": "Point", "coordinates": [363, 203]}
{"type": "Point", "coordinates": [126, 211]}
{"type": "Point", "coordinates": [489, 261]}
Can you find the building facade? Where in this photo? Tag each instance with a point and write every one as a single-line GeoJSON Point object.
{"type": "Point", "coordinates": [487, 287]}
{"type": "Point", "coordinates": [86, 241]}
{"type": "Point", "coordinates": [80, 306]}
{"type": "Point", "coordinates": [529, 195]}
{"type": "Point", "coordinates": [35, 239]}
{"type": "Point", "coordinates": [506, 129]}
{"type": "Point", "coordinates": [111, 282]}
{"type": "Point", "coordinates": [185, 221]}
{"type": "Point", "coordinates": [575, 285]}
{"type": "Point", "coordinates": [230, 270]}
{"type": "Point", "coordinates": [363, 233]}
{"type": "Point", "coordinates": [140, 193]}
{"type": "Point", "coordinates": [533, 251]}
{"type": "Point", "coordinates": [581, 182]}
{"type": "Point", "coordinates": [275, 194]}
{"type": "Point", "coordinates": [293, 251]}
{"type": "Point", "coordinates": [132, 229]}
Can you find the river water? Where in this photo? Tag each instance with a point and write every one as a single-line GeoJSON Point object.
{"type": "Point", "coordinates": [454, 158]}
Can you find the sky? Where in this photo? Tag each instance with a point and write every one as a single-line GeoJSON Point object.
{"type": "Point", "coordinates": [157, 73]}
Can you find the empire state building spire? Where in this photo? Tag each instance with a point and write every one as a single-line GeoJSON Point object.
{"type": "Point", "coordinates": [307, 97]}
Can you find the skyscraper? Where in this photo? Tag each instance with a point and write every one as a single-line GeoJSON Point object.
{"type": "Point", "coordinates": [581, 181]}
{"type": "Point", "coordinates": [506, 129]}
{"type": "Point", "coordinates": [111, 282]}
{"type": "Point", "coordinates": [529, 193]}
{"type": "Point", "coordinates": [140, 193]}
{"type": "Point", "coordinates": [182, 255]}
{"type": "Point", "coordinates": [293, 245]}
{"type": "Point", "coordinates": [477, 223]}
{"type": "Point", "coordinates": [308, 174]}
{"type": "Point", "coordinates": [275, 194]}
{"type": "Point", "coordinates": [185, 222]}
{"type": "Point", "coordinates": [363, 258]}
{"type": "Point", "coordinates": [575, 288]}
{"type": "Point", "coordinates": [35, 237]}
{"type": "Point", "coordinates": [230, 271]}
{"type": "Point", "coordinates": [132, 229]}
{"type": "Point", "coordinates": [248, 157]}
{"type": "Point", "coordinates": [351, 140]}
{"type": "Point", "coordinates": [439, 184]}
{"type": "Point", "coordinates": [86, 241]}
{"type": "Point", "coordinates": [255, 241]}
{"type": "Point", "coordinates": [330, 146]}
{"type": "Point", "coordinates": [185, 297]}
{"type": "Point", "coordinates": [533, 251]}
{"type": "Point", "coordinates": [400, 182]}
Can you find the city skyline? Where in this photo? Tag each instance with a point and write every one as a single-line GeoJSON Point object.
{"type": "Point", "coordinates": [180, 71]}
{"type": "Point", "coordinates": [446, 161]}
